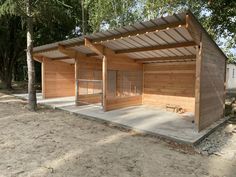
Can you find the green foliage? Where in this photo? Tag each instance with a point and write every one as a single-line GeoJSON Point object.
{"type": "Point", "coordinates": [53, 21]}
{"type": "Point", "coordinates": [111, 13]}
{"type": "Point", "coordinates": [218, 17]}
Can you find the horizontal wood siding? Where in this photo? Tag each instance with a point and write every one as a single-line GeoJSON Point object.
{"type": "Point", "coordinates": [122, 102]}
{"type": "Point", "coordinates": [122, 64]}
{"type": "Point", "coordinates": [90, 98]}
{"type": "Point", "coordinates": [89, 69]}
{"type": "Point", "coordinates": [170, 84]}
{"type": "Point", "coordinates": [212, 80]}
{"type": "Point", "coordinates": [58, 79]}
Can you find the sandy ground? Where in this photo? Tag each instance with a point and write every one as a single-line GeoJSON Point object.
{"type": "Point", "coordinates": [55, 143]}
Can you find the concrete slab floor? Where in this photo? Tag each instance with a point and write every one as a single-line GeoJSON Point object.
{"type": "Point", "coordinates": [145, 119]}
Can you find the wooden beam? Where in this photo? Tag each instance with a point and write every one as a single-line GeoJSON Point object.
{"type": "Point", "coordinates": [97, 48]}
{"type": "Point", "coordinates": [172, 63]}
{"type": "Point", "coordinates": [76, 81]}
{"type": "Point", "coordinates": [156, 59]}
{"type": "Point", "coordinates": [198, 88]}
{"type": "Point", "coordinates": [104, 83]}
{"type": "Point", "coordinates": [43, 78]}
{"type": "Point", "coordinates": [159, 47]}
{"type": "Point", "coordinates": [38, 58]}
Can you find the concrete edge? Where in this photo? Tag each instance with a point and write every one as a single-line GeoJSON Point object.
{"type": "Point", "coordinates": [210, 129]}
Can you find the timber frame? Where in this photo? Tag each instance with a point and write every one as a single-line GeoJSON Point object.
{"type": "Point", "coordinates": [173, 57]}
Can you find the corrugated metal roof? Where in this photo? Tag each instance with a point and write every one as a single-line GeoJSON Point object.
{"type": "Point", "coordinates": [132, 39]}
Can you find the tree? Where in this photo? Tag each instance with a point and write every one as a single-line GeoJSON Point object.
{"type": "Point", "coordinates": [110, 13]}
{"type": "Point", "coordinates": [12, 40]}
{"type": "Point", "coordinates": [29, 12]}
{"type": "Point", "coordinates": [30, 61]}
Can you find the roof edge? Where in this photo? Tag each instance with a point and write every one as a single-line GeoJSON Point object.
{"type": "Point", "coordinates": [204, 30]}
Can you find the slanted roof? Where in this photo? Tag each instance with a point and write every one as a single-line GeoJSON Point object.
{"type": "Point", "coordinates": [157, 40]}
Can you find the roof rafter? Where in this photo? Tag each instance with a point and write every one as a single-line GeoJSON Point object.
{"type": "Point", "coordinates": [97, 48]}
{"type": "Point", "coordinates": [159, 47]}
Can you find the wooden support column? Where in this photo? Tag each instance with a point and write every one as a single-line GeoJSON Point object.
{"type": "Point", "coordinates": [76, 81]}
{"type": "Point", "coordinates": [198, 87]}
{"type": "Point", "coordinates": [224, 88]}
{"type": "Point", "coordinates": [43, 78]}
{"type": "Point", "coordinates": [104, 82]}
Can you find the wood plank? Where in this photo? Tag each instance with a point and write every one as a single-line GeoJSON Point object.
{"type": "Point", "coordinates": [159, 47]}
{"type": "Point", "coordinates": [58, 79]}
{"type": "Point", "coordinates": [169, 84]}
{"type": "Point", "coordinates": [165, 58]}
{"type": "Point", "coordinates": [121, 102]}
{"type": "Point", "coordinates": [104, 82]}
{"type": "Point", "coordinates": [212, 80]}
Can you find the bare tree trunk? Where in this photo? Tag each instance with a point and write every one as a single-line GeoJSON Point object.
{"type": "Point", "coordinates": [30, 62]}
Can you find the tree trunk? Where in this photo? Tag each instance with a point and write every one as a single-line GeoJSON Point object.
{"type": "Point", "coordinates": [30, 62]}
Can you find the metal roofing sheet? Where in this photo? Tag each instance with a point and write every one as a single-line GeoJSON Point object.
{"type": "Point", "coordinates": [163, 37]}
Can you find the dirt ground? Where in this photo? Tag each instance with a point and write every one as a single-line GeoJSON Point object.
{"type": "Point", "coordinates": [53, 143]}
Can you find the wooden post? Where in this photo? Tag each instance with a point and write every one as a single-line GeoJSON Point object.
{"type": "Point", "coordinates": [142, 89]}
{"type": "Point", "coordinates": [76, 81]}
{"type": "Point", "coordinates": [224, 89]}
{"type": "Point", "coordinates": [104, 82]}
{"type": "Point", "coordinates": [198, 87]}
{"type": "Point", "coordinates": [43, 77]}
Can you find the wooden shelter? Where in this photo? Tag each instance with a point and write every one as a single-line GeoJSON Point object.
{"type": "Point", "coordinates": [162, 62]}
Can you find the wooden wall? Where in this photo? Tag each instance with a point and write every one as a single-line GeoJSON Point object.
{"type": "Point", "coordinates": [86, 67]}
{"type": "Point", "coordinates": [122, 102]}
{"type": "Point", "coordinates": [210, 77]}
{"type": "Point", "coordinates": [211, 85]}
{"type": "Point", "coordinates": [90, 69]}
{"type": "Point", "coordinates": [170, 84]}
{"type": "Point", "coordinates": [122, 64]}
{"type": "Point", "coordinates": [58, 79]}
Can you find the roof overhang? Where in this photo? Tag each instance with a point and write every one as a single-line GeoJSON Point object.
{"type": "Point", "coordinates": [158, 40]}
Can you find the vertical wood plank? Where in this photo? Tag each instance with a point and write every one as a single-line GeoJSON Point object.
{"type": "Point", "coordinates": [224, 88]}
{"type": "Point", "coordinates": [104, 82]}
{"type": "Point", "coordinates": [142, 91]}
{"type": "Point", "coordinates": [197, 87]}
{"type": "Point", "coordinates": [76, 81]}
{"type": "Point", "coordinates": [43, 78]}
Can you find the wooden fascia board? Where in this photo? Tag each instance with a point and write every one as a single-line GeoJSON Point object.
{"type": "Point", "coordinates": [159, 47]}
{"type": "Point", "coordinates": [165, 58]}
{"type": "Point", "coordinates": [45, 50]}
